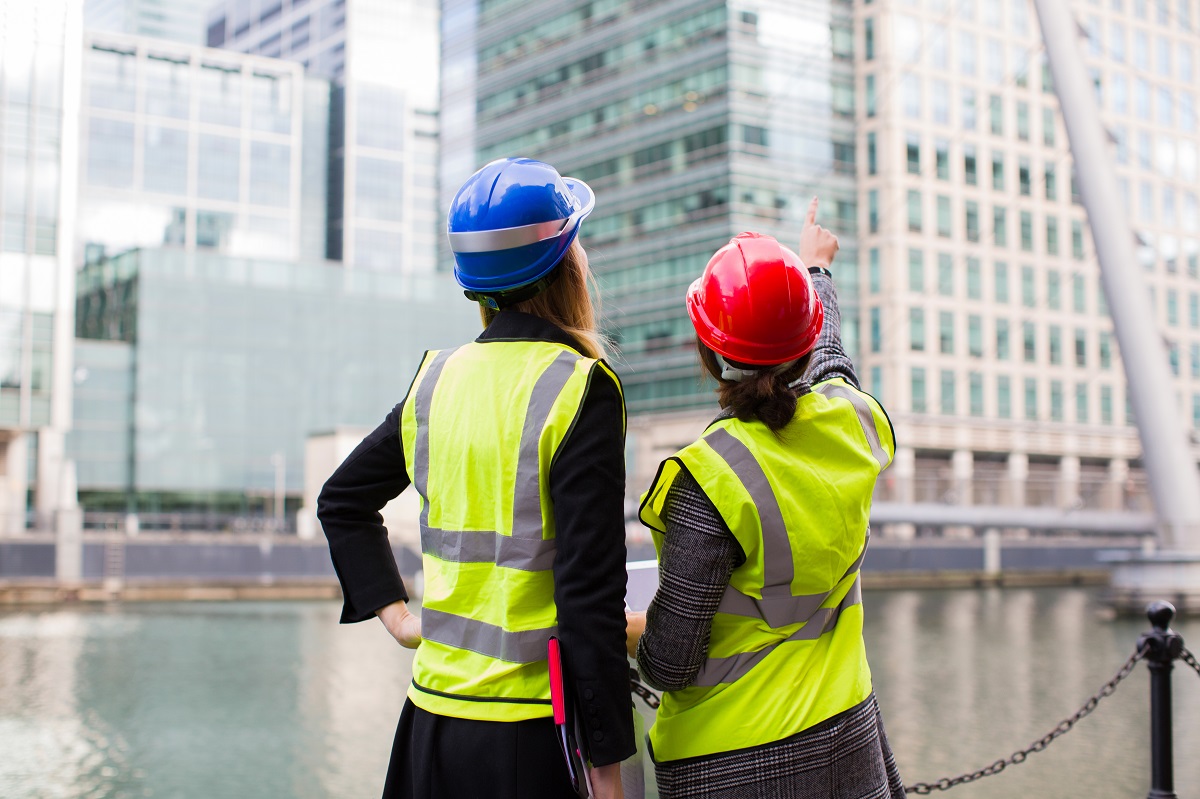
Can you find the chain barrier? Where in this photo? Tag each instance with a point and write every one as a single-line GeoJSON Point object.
{"type": "Point", "coordinates": [1190, 659]}
{"type": "Point", "coordinates": [1064, 726]}
{"type": "Point", "coordinates": [651, 699]}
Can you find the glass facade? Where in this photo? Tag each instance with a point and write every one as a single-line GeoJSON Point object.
{"type": "Point", "coordinates": [382, 155]}
{"type": "Point", "coordinates": [37, 41]}
{"type": "Point", "coordinates": [197, 148]}
{"type": "Point", "coordinates": [693, 122]}
{"type": "Point", "coordinates": [194, 369]}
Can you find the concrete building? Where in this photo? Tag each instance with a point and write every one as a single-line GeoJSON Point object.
{"type": "Point", "coordinates": [199, 377]}
{"type": "Point", "coordinates": [39, 106]}
{"type": "Point", "coordinates": [177, 20]}
{"type": "Point", "coordinates": [381, 56]}
{"type": "Point", "coordinates": [932, 133]}
{"type": "Point", "coordinates": [201, 149]}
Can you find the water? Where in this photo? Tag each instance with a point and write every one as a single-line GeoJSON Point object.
{"type": "Point", "coordinates": [250, 700]}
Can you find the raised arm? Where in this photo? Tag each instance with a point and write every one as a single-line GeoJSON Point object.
{"type": "Point", "coordinates": [829, 360]}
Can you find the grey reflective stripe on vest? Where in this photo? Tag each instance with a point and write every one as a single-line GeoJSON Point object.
{"type": "Point", "coordinates": [865, 417]}
{"type": "Point", "coordinates": [782, 611]}
{"type": "Point", "coordinates": [525, 549]}
{"type": "Point", "coordinates": [524, 646]}
{"type": "Point", "coordinates": [728, 669]}
{"type": "Point", "coordinates": [777, 551]}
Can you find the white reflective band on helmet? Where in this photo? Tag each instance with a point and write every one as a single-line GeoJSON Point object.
{"type": "Point", "coordinates": [865, 417]}
{"type": "Point", "coordinates": [728, 669]}
{"type": "Point", "coordinates": [737, 374]}
{"type": "Point", "coordinates": [506, 238]}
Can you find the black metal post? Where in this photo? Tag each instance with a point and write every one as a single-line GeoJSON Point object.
{"type": "Point", "coordinates": [1163, 647]}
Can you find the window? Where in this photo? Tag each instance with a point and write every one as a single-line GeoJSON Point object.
{"type": "Point", "coordinates": [1001, 279]}
{"type": "Point", "coordinates": [1048, 126]}
{"type": "Point", "coordinates": [1023, 177]}
{"type": "Point", "coordinates": [946, 332]}
{"type": "Point", "coordinates": [914, 211]}
{"type": "Point", "coordinates": [1029, 341]}
{"type": "Point", "coordinates": [968, 46]}
{"type": "Point", "coordinates": [970, 174]}
{"type": "Point", "coordinates": [873, 276]}
{"type": "Point", "coordinates": [1056, 353]}
{"type": "Point", "coordinates": [911, 91]}
{"type": "Point", "coordinates": [873, 211]}
{"type": "Point", "coordinates": [944, 223]}
{"type": "Point", "coordinates": [974, 279]}
{"type": "Point", "coordinates": [219, 167]}
{"type": "Point", "coordinates": [1081, 403]}
{"type": "Point", "coordinates": [948, 398]}
{"type": "Point", "coordinates": [972, 220]}
{"type": "Point", "coordinates": [975, 336]}
{"type": "Point", "coordinates": [876, 330]}
{"type": "Point", "coordinates": [917, 382]}
{"type": "Point", "coordinates": [1002, 340]}
{"type": "Point", "coordinates": [916, 271]}
{"type": "Point", "coordinates": [1027, 231]}
{"type": "Point", "coordinates": [1080, 347]}
{"type": "Point", "coordinates": [870, 92]}
{"type": "Point", "coordinates": [1051, 183]}
{"type": "Point", "coordinates": [1194, 352]}
{"type": "Point", "coordinates": [942, 154]}
{"type": "Point", "coordinates": [1172, 308]}
{"type": "Point", "coordinates": [1053, 289]}
{"type": "Point", "coordinates": [869, 38]}
{"type": "Point", "coordinates": [1106, 404]}
{"type": "Point", "coordinates": [916, 329]}
{"type": "Point", "coordinates": [1173, 357]}
{"type": "Point", "coordinates": [997, 115]}
{"type": "Point", "coordinates": [1000, 226]}
{"type": "Point", "coordinates": [1056, 400]}
{"type": "Point", "coordinates": [998, 171]}
{"type": "Point", "coordinates": [945, 274]}
{"type": "Point", "coordinates": [1052, 235]}
{"type": "Point", "coordinates": [1194, 310]}
{"type": "Point", "coordinates": [1077, 239]}
{"type": "Point", "coordinates": [1079, 292]}
{"type": "Point", "coordinates": [1028, 289]}
{"type": "Point", "coordinates": [1105, 350]}
{"type": "Point", "coordinates": [1023, 121]}
{"type": "Point", "coordinates": [1031, 410]}
{"type": "Point", "coordinates": [912, 149]}
{"type": "Point", "coordinates": [969, 110]}
{"type": "Point", "coordinates": [872, 158]}
{"type": "Point", "coordinates": [939, 96]}
{"type": "Point", "coordinates": [975, 381]}
{"type": "Point", "coordinates": [1003, 397]}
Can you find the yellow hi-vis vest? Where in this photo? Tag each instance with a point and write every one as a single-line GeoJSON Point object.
{"type": "Point", "coordinates": [786, 650]}
{"type": "Point", "coordinates": [480, 427]}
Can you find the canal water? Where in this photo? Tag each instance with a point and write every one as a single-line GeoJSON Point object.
{"type": "Point", "coordinates": [249, 700]}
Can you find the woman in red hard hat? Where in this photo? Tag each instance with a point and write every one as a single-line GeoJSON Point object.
{"type": "Point", "coordinates": [756, 632]}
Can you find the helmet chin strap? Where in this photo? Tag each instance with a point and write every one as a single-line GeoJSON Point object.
{"type": "Point", "coordinates": [737, 374]}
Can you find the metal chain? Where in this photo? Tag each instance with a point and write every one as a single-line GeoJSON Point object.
{"type": "Point", "coordinates": [1064, 726]}
{"type": "Point", "coordinates": [649, 697]}
{"type": "Point", "coordinates": [1190, 659]}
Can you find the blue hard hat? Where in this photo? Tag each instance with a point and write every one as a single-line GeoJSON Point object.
{"type": "Point", "coordinates": [512, 222]}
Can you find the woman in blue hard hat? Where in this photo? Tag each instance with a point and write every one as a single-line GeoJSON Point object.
{"type": "Point", "coordinates": [756, 632]}
{"type": "Point", "coordinates": [515, 444]}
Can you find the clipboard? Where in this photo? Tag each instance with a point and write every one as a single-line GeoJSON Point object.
{"type": "Point", "coordinates": [569, 732]}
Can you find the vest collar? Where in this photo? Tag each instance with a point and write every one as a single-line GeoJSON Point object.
{"type": "Point", "coordinates": [510, 325]}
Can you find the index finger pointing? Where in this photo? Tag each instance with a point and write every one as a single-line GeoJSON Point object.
{"type": "Point", "coordinates": [812, 212]}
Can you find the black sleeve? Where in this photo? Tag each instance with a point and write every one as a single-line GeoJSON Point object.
{"type": "Point", "coordinates": [587, 487]}
{"type": "Point", "coordinates": [348, 508]}
{"type": "Point", "coordinates": [829, 360]}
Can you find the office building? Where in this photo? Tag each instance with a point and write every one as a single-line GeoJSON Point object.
{"type": "Point", "coordinates": [984, 326]}
{"type": "Point", "coordinates": [200, 149]}
{"type": "Point", "coordinates": [381, 56]}
{"type": "Point", "coordinates": [968, 281]}
{"type": "Point", "coordinates": [39, 52]}
{"type": "Point", "coordinates": [177, 20]}
{"type": "Point", "coordinates": [693, 121]}
{"type": "Point", "coordinates": [200, 376]}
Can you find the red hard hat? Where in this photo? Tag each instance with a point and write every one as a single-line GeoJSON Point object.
{"type": "Point", "coordinates": [755, 303]}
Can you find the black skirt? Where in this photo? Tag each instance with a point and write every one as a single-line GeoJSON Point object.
{"type": "Point", "coordinates": [441, 757]}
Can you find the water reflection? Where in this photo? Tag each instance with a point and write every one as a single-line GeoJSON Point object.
{"type": "Point", "coordinates": [277, 700]}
